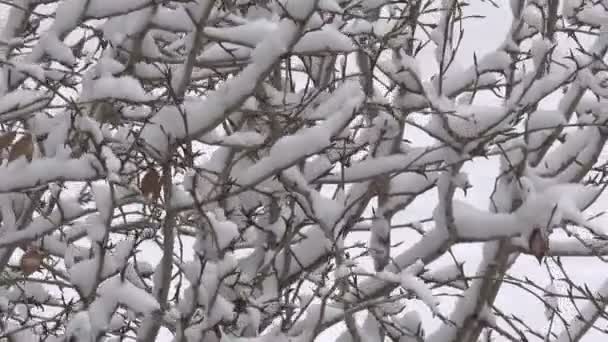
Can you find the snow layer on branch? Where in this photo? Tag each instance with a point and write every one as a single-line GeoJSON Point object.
{"type": "Point", "coordinates": [589, 312]}
{"type": "Point", "coordinates": [411, 182]}
{"type": "Point", "coordinates": [549, 207]}
{"type": "Point", "coordinates": [36, 71]}
{"type": "Point", "coordinates": [358, 26]}
{"type": "Point", "coordinates": [248, 34]}
{"type": "Point", "coordinates": [299, 9]}
{"type": "Point", "coordinates": [526, 94]}
{"type": "Point", "coordinates": [370, 330]}
{"type": "Point", "coordinates": [269, 337]}
{"type": "Point", "coordinates": [430, 243]}
{"type": "Point", "coordinates": [333, 102]}
{"type": "Point", "coordinates": [79, 328]}
{"type": "Point", "coordinates": [124, 88]}
{"type": "Point", "coordinates": [476, 224]}
{"type": "Point", "coordinates": [470, 122]}
{"type": "Point", "coordinates": [411, 323]}
{"type": "Point", "coordinates": [405, 70]}
{"type": "Point", "coordinates": [291, 148]}
{"type": "Point", "coordinates": [466, 306]}
{"type": "Point", "coordinates": [584, 145]}
{"type": "Point", "coordinates": [371, 167]}
{"type": "Point", "coordinates": [95, 227]}
{"type": "Point", "coordinates": [551, 302]}
{"type": "Point", "coordinates": [119, 28]}
{"type": "Point", "coordinates": [103, 200]}
{"type": "Point", "coordinates": [82, 273]}
{"type": "Point", "coordinates": [240, 139]}
{"type": "Point", "coordinates": [225, 231]}
{"type": "Point", "coordinates": [449, 273]}
{"type": "Point", "coordinates": [569, 7]}
{"type": "Point", "coordinates": [107, 65]}
{"type": "Point", "coordinates": [68, 15]}
{"type": "Point", "coordinates": [16, 176]}
{"type": "Point", "coordinates": [312, 247]}
{"type": "Point", "coordinates": [123, 292]}
{"type": "Point", "coordinates": [113, 292]}
{"type": "Point", "coordinates": [533, 16]}
{"type": "Point", "coordinates": [540, 48]}
{"type": "Point", "coordinates": [411, 282]}
{"type": "Point", "coordinates": [404, 187]}
{"type": "Point", "coordinates": [173, 19]}
{"type": "Point", "coordinates": [68, 209]}
{"type": "Point", "coordinates": [327, 39]}
{"type": "Point", "coordinates": [106, 8]}
{"type": "Point", "coordinates": [575, 246]}
{"type": "Point", "coordinates": [326, 210]}
{"type": "Point", "coordinates": [202, 116]}
{"type": "Point", "coordinates": [219, 53]}
{"type": "Point", "coordinates": [591, 14]}
{"type": "Point", "coordinates": [32, 291]}
{"type": "Point", "coordinates": [19, 102]}
{"type": "Point", "coordinates": [541, 125]}
{"type": "Point", "coordinates": [50, 45]}
{"type": "Point", "coordinates": [457, 80]}
{"type": "Point", "coordinates": [330, 6]}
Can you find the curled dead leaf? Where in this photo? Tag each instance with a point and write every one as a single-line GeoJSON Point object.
{"type": "Point", "coordinates": [538, 244]}
{"type": "Point", "coordinates": [31, 261]}
{"type": "Point", "coordinates": [151, 185]}
{"type": "Point", "coordinates": [6, 139]}
{"type": "Point", "coordinates": [23, 147]}
{"type": "Point", "coordinates": [105, 113]}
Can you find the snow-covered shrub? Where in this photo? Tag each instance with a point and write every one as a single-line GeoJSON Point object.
{"type": "Point", "coordinates": [300, 170]}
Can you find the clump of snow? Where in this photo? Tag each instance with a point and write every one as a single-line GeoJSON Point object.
{"type": "Point", "coordinates": [533, 16]}
{"type": "Point", "coordinates": [540, 49]}
{"type": "Point", "coordinates": [551, 302]}
{"type": "Point", "coordinates": [299, 9]}
{"type": "Point", "coordinates": [411, 282]}
{"type": "Point", "coordinates": [79, 328]}
{"type": "Point", "coordinates": [225, 232]}
{"type": "Point", "coordinates": [326, 40]}
{"type": "Point", "coordinates": [103, 199]}
{"type": "Point", "coordinates": [125, 88]}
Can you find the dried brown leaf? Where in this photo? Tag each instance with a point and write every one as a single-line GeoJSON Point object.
{"type": "Point", "coordinates": [6, 139]}
{"type": "Point", "coordinates": [538, 244]}
{"type": "Point", "coordinates": [151, 185]}
{"type": "Point", "coordinates": [105, 113]}
{"type": "Point", "coordinates": [23, 147]}
{"type": "Point", "coordinates": [31, 261]}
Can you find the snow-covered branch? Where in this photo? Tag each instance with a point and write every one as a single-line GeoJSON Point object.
{"type": "Point", "coordinates": [255, 170]}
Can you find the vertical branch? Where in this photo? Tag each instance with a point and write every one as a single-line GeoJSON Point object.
{"type": "Point", "coordinates": [184, 75]}
{"type": "Point", "coordinates": [18, 17]}
{"type": "Point", "coordinates": [444, 52]}
{"type": "Point", "coordinates": [151, 324]}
